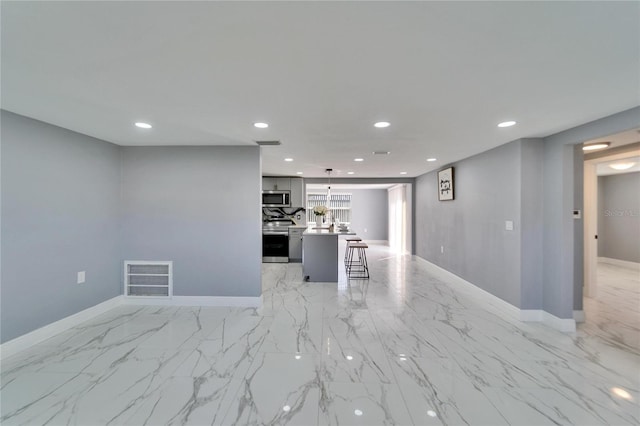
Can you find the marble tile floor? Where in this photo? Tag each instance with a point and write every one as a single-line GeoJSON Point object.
{"type": "Point", "coordinates": [405, 347]}
{"type": "Point", "coordinates": [614, 313]}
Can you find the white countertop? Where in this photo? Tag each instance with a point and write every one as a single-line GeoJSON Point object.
{"type": "Point", "coordinates": [312, 230]}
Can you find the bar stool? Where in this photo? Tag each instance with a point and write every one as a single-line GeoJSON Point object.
{"type": "Point", "coordinates": [353, 239]}
{"type": "Point", "coordinates": [357, 268]}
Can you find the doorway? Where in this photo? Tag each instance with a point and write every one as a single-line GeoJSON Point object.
{"type": "Point", "coordinates": [400, 218]}
{"type": "Point", "coordinates": [611, 250]}
{"type": "Point", "coordinates": [379, 213]}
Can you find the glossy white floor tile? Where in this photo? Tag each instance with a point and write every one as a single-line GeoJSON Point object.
{"type": "Point", "coordinates": [614, 313]}
{"type": "Point", "coordinates": [404, 347]}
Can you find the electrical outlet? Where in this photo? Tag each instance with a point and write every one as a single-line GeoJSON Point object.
{"type": "Point", "coordinates": [81, 277]}
{"type": "Point", "coordinates": [508, 225]}
{"type": "Point", "coordinates": [441, 249]}
{"type": "Point", "coordinates": [365, 229]}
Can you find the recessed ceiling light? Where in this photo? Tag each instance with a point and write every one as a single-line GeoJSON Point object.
{"type": "Point", "coordinates": [431, 413]}
{"type": "Point", "coordinates": [143, 125]}
{"type": "Point", "coordinates": [507, 124]}
{"type": "Point", "coordinates": [431, 159]}
{"type": "Point", "coordinates": [403, 173]}
{"type": "Point", "coordinates": [349, 357]}
{"type": "Point", "coordinates": [350, 173]}
{"type": "Point", "coordinates": [286, 408]}
{"type": "Point", "coordinates": [596, 145]}
{"type": "Point", "coordinates": [288, 159]}
{"type": "Point", "coordinates": [622, 166]}
{"type": "Point", "coordinates": [298, 173]}
{"type": "Point", "coordinates": [358, 412]}
{"type": "Point", "coordinates": [358, 159]}
{"type": "Point", "coordinates": [261, 125]}
{"type": "Point", "coordinates": [382, 124]}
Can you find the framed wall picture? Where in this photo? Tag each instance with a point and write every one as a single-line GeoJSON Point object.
{"type": "Point", "coordinates": [445, 184]}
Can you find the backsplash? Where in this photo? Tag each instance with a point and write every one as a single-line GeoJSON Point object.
{"type": "Point", "coordinates": [273, 213]}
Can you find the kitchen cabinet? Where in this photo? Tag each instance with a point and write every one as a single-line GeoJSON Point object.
{"type": "Point", "coordinates": [268, 183]}
{"type": "Point", "coordinates": [283, 184]}
{"type": "Point", "coordinates": [320, 254]}
{"type": "Point", "coordinates": [297, 192]}
{"type": "Point", "coordinates": [295, 185]}
{"type": "Point", "coordinates": [295, 244]}
{"type": "Point", "coordinates": [276, 184]}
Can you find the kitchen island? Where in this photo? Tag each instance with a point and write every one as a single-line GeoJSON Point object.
{"type": "Point", "coordinates": [320, 254]}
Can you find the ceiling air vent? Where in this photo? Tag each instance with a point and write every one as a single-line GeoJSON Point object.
{"type": "Point", "coordinates": [381, 152]}
{"type": "Point", "coordinates": [268, 143]}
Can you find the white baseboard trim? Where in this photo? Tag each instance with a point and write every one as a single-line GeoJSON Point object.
{"type": "Point", "coordinates": [566, 325]}
{"type": "Point", "coordinates": [579, 316]}
{"type": "Point", "coordinates": [248, 302]}
{"type": "Point", "coordinates": [525, 315]}
{"type": "Point", "coordinates": [34, 337]}
{"type": "Point", "coordinates": [531, 315]}
{"type": "Point", "coordinates": [41, 334]}
{"type": "Point", "coordinates": [469, 287]}
{"type": "Point", "coordinates": [618, 262]}
{"type": "Point", "coordinates": [381, 242]}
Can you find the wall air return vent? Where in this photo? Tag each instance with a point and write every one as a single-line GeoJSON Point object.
{"type": "Point", "coordinates": [268, 143]}
{"type": "Point", "coordinates": [145, 278]}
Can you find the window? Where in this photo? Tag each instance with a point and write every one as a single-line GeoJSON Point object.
{"type": "Point", "coordinates": [339, 208]}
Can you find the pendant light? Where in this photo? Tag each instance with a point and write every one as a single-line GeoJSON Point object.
{"type": "Point", "coordinates": [329, 188]}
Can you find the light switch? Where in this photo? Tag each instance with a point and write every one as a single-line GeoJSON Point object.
{"type": "Point", "coordinates": [81, 277]}
{"type": "Point", "coordinates": [508, 225]}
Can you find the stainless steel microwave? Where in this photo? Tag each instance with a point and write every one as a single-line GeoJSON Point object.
{"type": "Point", "coordinates": [276, 198]}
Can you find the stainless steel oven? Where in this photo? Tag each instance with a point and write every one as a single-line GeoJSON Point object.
{"type": "Point", "coordinates": [275, 241]}
{"type": "Point", "coordinates": [275, 246]}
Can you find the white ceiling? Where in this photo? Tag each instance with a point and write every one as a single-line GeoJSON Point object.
{"type": "Point", "coordinates": [321, 73]}
{"type": "Point", "coordinates": [622, 149]}
{"type": "Point", "coordinates": [344, 186]}
{"type": "Point", "coordinates": [604, 169]}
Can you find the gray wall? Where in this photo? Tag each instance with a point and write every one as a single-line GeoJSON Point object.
{"type": "Point", "coordinates": [370, 211]}
{"type": "Point", "coordinates": [200, 208]}
{"type": "Point", "coordinates": [60, 207]}
{"type": "Point", "coordinates": [532, 226]}
{"type": "Point", "coordinates": [558, 259]}
{"type": "Point", "coordinates": [619, 216]}
{"type": "Point", "coordinates": [73, 203]}
{"type": "Point", "coordinates": [562, 254]}
{"type": "Point", "coordinates": [472, 227]}
{"type": "Point", "coordinates": [549, 189]}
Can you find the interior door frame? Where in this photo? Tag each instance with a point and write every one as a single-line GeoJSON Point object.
{"type": "Point", "coordinates": [591, 221]}
{"type": "Point", "coordinates": [590, 228]}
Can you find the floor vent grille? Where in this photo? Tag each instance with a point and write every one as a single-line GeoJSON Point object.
{"type": "Point", "coordinates": [144, 278]}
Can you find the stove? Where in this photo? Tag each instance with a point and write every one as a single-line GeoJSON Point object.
{"type": "Point", "coordinates": [276, 225]}
{"type": "Point", "coordinates": [275, 240]}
